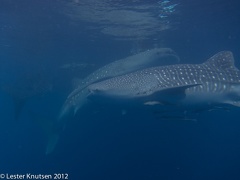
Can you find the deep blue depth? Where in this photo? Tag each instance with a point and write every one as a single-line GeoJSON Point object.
{"type": "Point", "coordinates": [39, 37]}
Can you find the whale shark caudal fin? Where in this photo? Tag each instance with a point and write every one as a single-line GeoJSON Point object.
{"type": "Point", "coordinates": [52, 136]}
{"type": "Point", "coordinates": [49, 130]}
{"type": "Point", "coordinates": [52, 142]}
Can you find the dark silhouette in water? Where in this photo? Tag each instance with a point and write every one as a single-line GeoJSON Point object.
{"type": "Point", "coordinates": [26, 88]}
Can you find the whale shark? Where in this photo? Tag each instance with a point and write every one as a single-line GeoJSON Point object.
{"type": "Point", "coordinates": [216, 81]}
{"type": "Point", "coordinates": [77, 98]}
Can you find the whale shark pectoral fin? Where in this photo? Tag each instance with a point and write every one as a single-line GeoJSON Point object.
{"type": "Point", "coordinates": [178, 91]}
{"type": "Point", "coordinates": [171, 95]}
{"type": "Point", "coordinates": [182, 89]}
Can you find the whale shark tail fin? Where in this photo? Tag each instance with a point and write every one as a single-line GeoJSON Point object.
{"type": "Point", "coordinates": [53, 132]}
{"type": "Point", "coordinates": [51, 143]}
{"type": "Point", "coordinates": [50, 132]}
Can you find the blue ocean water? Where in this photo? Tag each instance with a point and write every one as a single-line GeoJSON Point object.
{"type": "Point", "coordinates": [46, 44]}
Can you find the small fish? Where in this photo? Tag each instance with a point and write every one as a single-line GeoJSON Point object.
{"type": "Point", "coordinates": [152, 103]}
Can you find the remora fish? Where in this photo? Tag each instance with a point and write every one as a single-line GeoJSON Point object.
{"type": "Point", "coordinates": [145, 59]}
{"type": "Point", "coordinates": [215, 81]}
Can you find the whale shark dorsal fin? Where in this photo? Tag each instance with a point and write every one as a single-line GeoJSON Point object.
{"type": "Point", "coordinates": [223, 60]}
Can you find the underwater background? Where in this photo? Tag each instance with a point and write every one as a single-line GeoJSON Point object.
{"type": "Point", "coordinates": [46, 46]}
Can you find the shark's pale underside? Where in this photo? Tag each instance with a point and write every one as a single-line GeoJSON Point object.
{"type": "Point", "coordinates": [215, 81]}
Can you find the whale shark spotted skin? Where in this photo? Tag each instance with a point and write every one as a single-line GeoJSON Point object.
{"type": "Point", "coordinates": [149, 58]}
{"type": "Point", "coordinates": [215, 81]}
